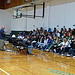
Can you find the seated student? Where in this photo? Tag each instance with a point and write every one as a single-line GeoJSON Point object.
{"type": "Point", "coordinates": [49, 34]}
{"type": "Point", "coordinates": [57, 33]}
{"type": "Point", "coordinates": [20, 37]}
{"type": "Point", "coordinates": [54, 46]}
{"type": "Point", "coordinates": [49, 30]}
{"type": "Point", "coordinates": [69, 37]}
{"type": "Point", "coordinates": [54, 31]}
{"type": "Point", "coordinates": [28, 44]}
{"type": "Point", "coordinates": [45, 33]}
{"type": "Point", "coordinates": [24, 34]}
{"type": "Point", "coordinates": [34, 40]}
{"type": "Point", "coordinates": [61, 32]}
{"type": "Point", "coordinates": [41, 33]}
{"type": "Point", "coordinates": [65, 46]}
{"type": "Point", "coordinates": [69, 31]}
{"type": "Point", "coordinates": [72, 50]}
{"type": "Point", "coordinates": [30, 34]}
{"type": "Point", "coordinates": [34, 33]}
{"type": "Point", "coordinates": [42, 42]}
{"type": "Point", "coordinates": [65, 36]}
{"type": "Point", "coordinates": [54, 36]}
{"type": "Point", "coordinates": [41, 29]}
{"type": "Point", "coordinates": [37, 30]}
{"type": "Point", "coordinates": [64, 29]}
{"type": "Point", "coordinates": [50, 41]}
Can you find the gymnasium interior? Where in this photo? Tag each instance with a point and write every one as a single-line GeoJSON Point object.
{"type": "Point", "coordinates": [37, 37]}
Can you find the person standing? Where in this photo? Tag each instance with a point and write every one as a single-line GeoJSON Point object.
{"type": "Point", "coordinates": [2, 37]}
{"type": "Point", "coordinates": [2, 32]}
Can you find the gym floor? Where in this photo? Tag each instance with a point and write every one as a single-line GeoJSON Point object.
{"type": "Point", "coordinates": [41, 63]}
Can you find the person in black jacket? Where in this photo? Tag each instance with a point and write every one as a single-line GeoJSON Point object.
{"type": "Point", "coordinates": [34, 40]}
{"type": "Point", "coordinates": [28, 44]}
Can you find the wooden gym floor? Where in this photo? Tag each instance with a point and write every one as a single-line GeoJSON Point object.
{"type": "Point", "coordinates": [41, 63]}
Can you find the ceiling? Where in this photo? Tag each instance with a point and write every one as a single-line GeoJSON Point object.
{"type": "Point", "coordinates": [5, 4]}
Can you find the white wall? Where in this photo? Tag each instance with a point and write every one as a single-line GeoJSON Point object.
{"type": "Point", "coordinates": [5, 19]}
{"type": "Point", "coordinates": [61, 15]}
{"type": "Point", "coordinates": [38, 21]}
{"type": "Point", "coordinates": [19, 24]}
{"type": "Point", "coordinates": [55, 14]}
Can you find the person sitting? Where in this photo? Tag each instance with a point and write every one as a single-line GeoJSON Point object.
{"type": "Point", "coordinates": [28, 44]}
{"type": "Point", "coordinates": [41, 42]}
{"type": "Point", "coordinates": [57, 33]}
{"type": "Point", "coordinates": [34, 41]}
{"type": "Point", "coordinates": [24, 34]}
{"type": "Point", "coordinates": [34, 33]}
{"type": "Point", "coordinates": [54, 46]}
{"type": "Point", "coordinates": [49, 30]}
{"type": "Point", "coordinates": [50, 41]}
{"type": "Point", "coordinates": [54, 31]}
{"type": "Point", "coordinates": [72, 50]}
{"type": "Point", "coordinates": [65, 46]}
{"type": "Point", "coordinates": [41, 29]}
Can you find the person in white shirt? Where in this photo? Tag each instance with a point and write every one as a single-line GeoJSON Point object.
{"type": "Point", "coordinates": [57, 33]}
{"type": "Point", "coordinates": [65, 46]}
{"type": "Point", "coordinates": [20, 37]}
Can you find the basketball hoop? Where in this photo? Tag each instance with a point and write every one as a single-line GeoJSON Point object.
{"type": "Point", "coordinates": [14, 16]}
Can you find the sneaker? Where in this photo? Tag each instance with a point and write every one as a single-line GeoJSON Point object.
{"type": "Point", "coordinates": [73, 56]}
{"type": "Point", "coordinates": [2, 49]}
{"type": "Point", "coordinates": [47, 50]}
{"type": "Point", "coordinates": [9, 50]}
{"type": "Point", "coordinates": [62, 55]}
{"type": "Point", "coordinates": [30, 54]}
{"type": "Point", "coordinates": [57, 53]}
{"type": "Point", "coordinates": [42, 50]}
{"type": "Point", "coordinates": [68, 55]}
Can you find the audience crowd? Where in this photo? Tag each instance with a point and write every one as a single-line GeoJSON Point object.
{"type": "Point", "coordinates": [59, 42]}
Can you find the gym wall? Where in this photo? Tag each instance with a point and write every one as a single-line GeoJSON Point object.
{"type": "Point", "coordinates": [5, 19]}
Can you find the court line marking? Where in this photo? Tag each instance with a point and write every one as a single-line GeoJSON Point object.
{"type": "Point", "coordinates": [4, 71]}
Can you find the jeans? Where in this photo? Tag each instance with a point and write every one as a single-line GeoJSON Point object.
{"type": "Point", "coordinates": [1, 43]}
{"type": "Point", "coordinates": [34, 44]}
{"type": "Point", "coordinates": [64, 50]}
{"type": "Point", "coordinates": [41, 44]}
{"type": "Point", "coordinates": [72, 51]}
{"type": "Point", "coordinates": [31, 48]}
{"type": "Point", "coordinates": [46, 47]}
{"type": "Point", "coordinates": [25, 45]}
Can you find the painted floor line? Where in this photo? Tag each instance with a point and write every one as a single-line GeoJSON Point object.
{"type": "Point", "coordinates": [4, 71]}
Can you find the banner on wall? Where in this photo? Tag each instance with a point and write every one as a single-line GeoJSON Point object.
{"type": "Point", "coordinates": [8, 2]}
